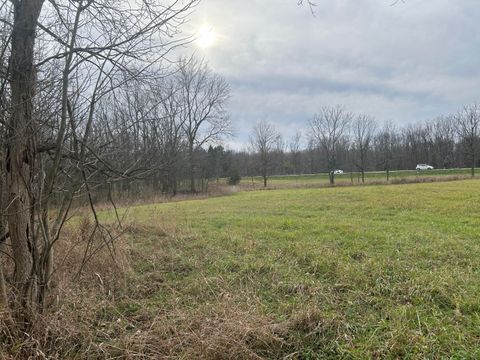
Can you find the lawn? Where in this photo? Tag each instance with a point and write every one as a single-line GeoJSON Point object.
{"type": "Point", "coordinates": [352, 177]}
{"type": "Point", "coordinates": [350, 272]}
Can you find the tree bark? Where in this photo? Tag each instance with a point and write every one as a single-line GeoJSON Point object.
{"type": "Point", "coordinates": [20, 158]}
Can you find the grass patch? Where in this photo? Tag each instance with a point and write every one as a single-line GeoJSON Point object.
{"type": "Point", "coordinates": [350, 272]}
{"type": "Point", "coordinates": [344, 272]}
{"type": "Point", "coordinates": [354, 178]}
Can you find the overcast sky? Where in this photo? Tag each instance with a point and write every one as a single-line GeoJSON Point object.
{"type": "Point", "coordinates": [405, 63]}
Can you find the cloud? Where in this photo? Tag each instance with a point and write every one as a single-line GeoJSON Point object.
{"type": "Point", "coordinates": [404, 63]}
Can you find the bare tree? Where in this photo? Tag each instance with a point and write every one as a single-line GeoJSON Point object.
{"type": "Point", "coordinates": [385, 146]}
{"type": "Point", "coordinates": [467, 124]}
{"type": "Point", "coordinates": [263, 142]}
{"type": "Point", "coordinates": [444, 134]}
{"type": "Point", "coordinates": [170, 134]}
{"type": "Point", "coordinates": [59, 154]}
{"type": "Point", "coordinates": [328, 128]}
{"type": "Point", "coordinates": [294, 147]}
{"type": "Point", "coordinates": [418, 144]}
{"type": "Point", "coordinates": [279, 155]}
{"type": "Point", "coordinates": [363, 129]}
{"type": "Point", "coordinates": [204, 96]}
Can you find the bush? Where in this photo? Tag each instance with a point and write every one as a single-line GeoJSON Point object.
{"type": "Point", "coordinates": [234, 177]}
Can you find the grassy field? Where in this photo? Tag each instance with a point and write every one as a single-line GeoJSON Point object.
{"type": "Point", "coordinates": [281, 181]}
{"type": "Point", "coordinates": [351, 272]}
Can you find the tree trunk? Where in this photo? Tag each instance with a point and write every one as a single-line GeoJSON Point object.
{"type": "Point", "coordinates": [473, 163]}
{"type": "Point", "coordinates": [20, 158]}
{"type": "Point", "coordinates": [264, 180]}
{"type": "Point", "coordinates": [192, 168]}
{"type": "Point", "coordinates": [173, 182]}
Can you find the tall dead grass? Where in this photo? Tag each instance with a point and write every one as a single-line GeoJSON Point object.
{"type": "Point", "coordinates": [64, 329]}
{"type": "Point", "coordinates": [100, 313]}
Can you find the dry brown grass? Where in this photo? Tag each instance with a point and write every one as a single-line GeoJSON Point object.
{"type": "Point", "coordinates": [83, 321]}
{"type": "Point", "coordinates": [223, 331]}
{"type": "Point", "coordinates": [146, 198]}
{"type": "Point", "coordinates": [74, 300]}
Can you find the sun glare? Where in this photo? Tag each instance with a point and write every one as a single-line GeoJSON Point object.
{"type": "Point", "coordinates": [205, 37]}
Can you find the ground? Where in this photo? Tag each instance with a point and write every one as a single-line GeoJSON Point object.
{"type": "Point", "coordinates": [349, 178]}
{"type": "Point", "coordinates": [357, 272]}
{"type": "Point", "coordinates": [362, 272]}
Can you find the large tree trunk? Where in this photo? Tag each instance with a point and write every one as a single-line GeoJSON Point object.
{"type": "Point", "coordinates": [20, 155]}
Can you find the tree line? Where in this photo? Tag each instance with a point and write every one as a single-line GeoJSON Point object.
{"type": "Point", "coordinates": [334, 139]}
{"type": "Point", "coordinates": [161, 130]}
{"type": "Point", "coordinates": [339, 139]}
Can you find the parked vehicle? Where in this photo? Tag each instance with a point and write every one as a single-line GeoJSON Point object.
{"type": "Point", "coordinates": [421, 167]}
{"type": "Point", "coordinates": [338, 171]}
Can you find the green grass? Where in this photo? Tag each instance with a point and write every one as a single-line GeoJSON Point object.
{"type": "Point", "coordinates": [354, 177]}
{"type": "Point", "coordinates": [353, 272]}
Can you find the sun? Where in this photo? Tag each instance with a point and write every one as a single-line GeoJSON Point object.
{"type": "Point", "coordinates": [205, 37]}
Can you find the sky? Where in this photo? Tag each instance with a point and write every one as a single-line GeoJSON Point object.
{"type": "Point", "coordinates": [404, 63]}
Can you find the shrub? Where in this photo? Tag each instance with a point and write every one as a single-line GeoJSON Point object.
{"type": "Point", "coordinates": [234, 177]}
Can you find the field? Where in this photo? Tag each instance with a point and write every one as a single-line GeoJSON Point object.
{"type": "Point", "coordinates": [347, 178]}
{"type": "Point", "coordinates": [349, 272]}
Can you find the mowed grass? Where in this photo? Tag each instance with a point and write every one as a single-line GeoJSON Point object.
{"type": "Point", "coordinates": [353, 177]}
{"type": "Point", "coordinates": [351, 272]}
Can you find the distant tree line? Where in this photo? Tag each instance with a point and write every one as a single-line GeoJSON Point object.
{"type": "Point", "coordinates": [339, 139]}
{"type": "Point", "coordinates": [335, 139]}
